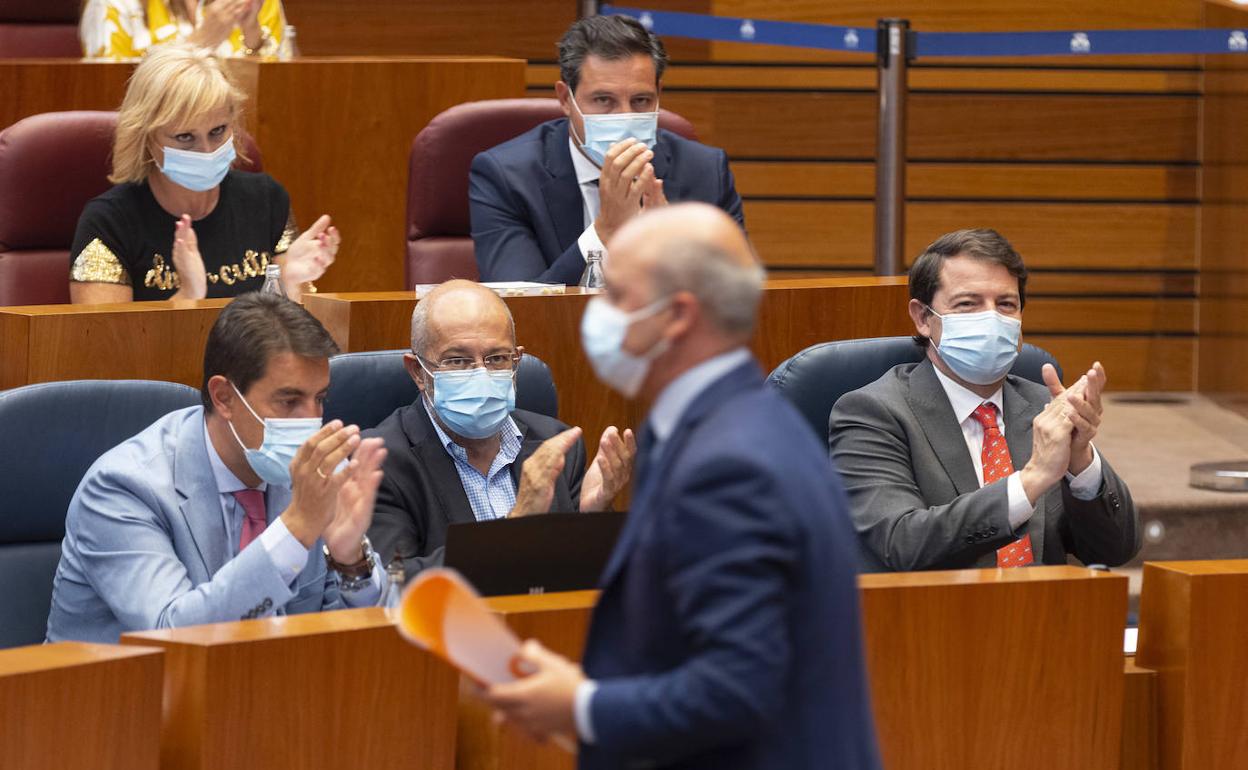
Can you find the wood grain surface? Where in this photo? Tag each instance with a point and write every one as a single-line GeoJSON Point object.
{"type": "Point", "coordinates": [1193, 623]}
{"type": "Point", "coordinates": [78, 705]}
{"type": "Point", "coordinates": [324, 690]}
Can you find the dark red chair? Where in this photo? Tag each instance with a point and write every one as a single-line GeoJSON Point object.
{"type": "Point", "coordinates": [51, 165]}
{"type": "Point", "coordinates": [39, 29]}
{"type": "Point", "coordinates": [439, 241]}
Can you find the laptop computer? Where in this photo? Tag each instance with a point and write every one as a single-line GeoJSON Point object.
{"type": "Point", "coordinates": [533, 554]}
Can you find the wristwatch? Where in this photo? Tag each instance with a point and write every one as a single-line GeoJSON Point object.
{"type": "Point", "coordinates": [353, 577]}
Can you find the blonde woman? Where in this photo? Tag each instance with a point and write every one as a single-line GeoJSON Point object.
{"type": "Point", "coordinates": [180, 222]}
{"type": "Point", "coordinates": [126, 29]}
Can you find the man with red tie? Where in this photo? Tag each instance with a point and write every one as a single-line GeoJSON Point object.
{"type": "Point", "coordinates": [953, 463]}
{"type": "Point", "coordinates": [244, 507]}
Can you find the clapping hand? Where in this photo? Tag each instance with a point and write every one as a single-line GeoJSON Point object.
{"type": "Point", "coordinates": [610, 470]}
{"type": "Point", "coordinates": [187, 262]}
{"type": "Point", "coordinates": [538, 475]}
{"type": "Point", "coordinates": [310, 255]}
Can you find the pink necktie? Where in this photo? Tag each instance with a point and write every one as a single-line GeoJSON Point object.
{"type": "Point", "coordinates": [995, 457]}
{"type": "Point", "coordinates": [252, 501]}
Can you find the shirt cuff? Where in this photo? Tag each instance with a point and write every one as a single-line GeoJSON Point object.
{"type": "Point", "coordinates": [369, 594]}
{"type": "Point", "coordinates": [589, 241]}
{"type": "Point", "coordinates": [1087, 485]}
{"type": "Point", "coordinates": [287, 553]}
{"type": "Point", "coordinates": [1020, 509]}
{"type": "Point", "coordinates": [581, 710]}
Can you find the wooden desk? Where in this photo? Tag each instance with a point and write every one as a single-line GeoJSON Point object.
{"type": "Point", "coordinates": [794, 314]}
{"type": "Point", "coordinates": [969, 667]}
{"type": "Point", "coordinates": [336, 132]}
{"type": "Point", "coordinates": [322, 691]}
{"type": "Point", "coordinates": [559, 621]}
{"type": "Point", "coordinates": [80, 705]}
{"type": "Point", "coordinates": [132, 340]}
{"type": "Point", "coordinates": [948, 653]}
{"type": "Point", "coordinates": [1193, 627]}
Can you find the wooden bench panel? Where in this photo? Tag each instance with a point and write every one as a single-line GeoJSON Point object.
{"type": "Point", "coordinates": [977, 181]}
{"type": "Point", "coordinates": [1058, 235]}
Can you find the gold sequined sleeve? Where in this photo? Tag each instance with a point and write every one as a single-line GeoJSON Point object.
{"type": "Point", "coordinates": [96, 263]}
{"type": "Point", "coordinates": [289, 234]}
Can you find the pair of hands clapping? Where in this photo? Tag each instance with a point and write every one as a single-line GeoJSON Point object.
{"type": "Point", "coordinates": [626, 187]}
{"type": "Point", "coordinates": [306, 260]}
{"type": "Point", "coordinates": [332, 504]}
{"type": "Point", "coordinates": [1062, 434]}
{"type": "Point", "coordinates": [604, 477]}
{"type": "Point", "coordinates": [223, 16]}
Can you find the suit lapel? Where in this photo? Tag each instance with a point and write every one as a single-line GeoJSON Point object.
{"type": "Point", "coordinates": [1019, 412]}
{"type": "Point", "coordinates": [739, 379]}
{"type": "Point", "coordinates": [662, 163]}
{"type": "Point", "coordinates": [443, 477]}
{"type": "Point", "coordinates": [931, 407]}
{"type": "Point", "coordinates": [199, 498]}
{"type": "Point", "coordinates": [561, 191]}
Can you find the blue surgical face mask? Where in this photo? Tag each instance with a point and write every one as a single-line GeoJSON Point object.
{"type": "Point", "coordinates": [282, 438]}
{"type": "Point", "coordinates": [198, 171]}
{"type": "Point", "coordinates": [603, 329]}
{"type": "Point", "coordinates": [602, 131]}
{"type": "Point", "coordinates": [473, 403]}
{"type": "Point", "coordinates": [979, 347]}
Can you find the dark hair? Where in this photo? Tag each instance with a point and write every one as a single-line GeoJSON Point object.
{"type": "Point", "coordinates": [983, 244]}
{"type": "Point", "coordinates": [607, 37]}
{"type": "Point", "coordinates": [254, 328]}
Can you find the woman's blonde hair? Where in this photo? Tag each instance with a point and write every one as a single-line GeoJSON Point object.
{"type": "Point", "coordinates": [174, 83]}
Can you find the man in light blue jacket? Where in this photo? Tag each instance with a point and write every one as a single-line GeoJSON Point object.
{"type": "Point", "coordinates": [242, 508]}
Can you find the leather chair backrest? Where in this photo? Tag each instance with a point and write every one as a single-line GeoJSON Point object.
{"type": "Point", "coordinates": [54, 432]}
{"type": "Point", "coordinates": [51, 165]}
{"type": "Point", "coordinates": [365, 388]}
{"type": "Point", "coordinates": [819, 375]}
{"type": "Point", "coordinates": [39, 29]}
{"type": "Point", "coordinates": [439, 244]}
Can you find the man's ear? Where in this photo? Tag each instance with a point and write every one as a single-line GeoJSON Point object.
{"type": "Point", "coordinates": [224, 399]}
{"type": "Point", "coordinates": [685, 311]}
{"type": "Point", "coordinates": [414, 370]}
{"type": "Point", "coordinates": [924, 321]}
{"type": "Point", "coordinates": [564, 95]}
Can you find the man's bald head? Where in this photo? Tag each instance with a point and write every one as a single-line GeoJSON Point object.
{"type": "Point", "coordinates": [697, 248]}
{"type": "Point", "coordinates": [459, 311]}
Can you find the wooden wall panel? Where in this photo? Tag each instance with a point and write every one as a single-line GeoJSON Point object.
{"type": "Point", "coordinates": [1131, 363]}
{"type": "Point", "coordinates": [966, 126]}
{"type": "Point", "coordinates": [1223, 358]}
{"type": "Point", "coordinates": [978, 181]}
{"type": "Point", "coordinates": [1048, 235]}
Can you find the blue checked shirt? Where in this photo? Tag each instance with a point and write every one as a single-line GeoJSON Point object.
{"type": "Point", "coordinates": [494, 495]}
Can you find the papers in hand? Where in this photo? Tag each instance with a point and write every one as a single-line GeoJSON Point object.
{"type": "Point", "coordinates": [442, 613]}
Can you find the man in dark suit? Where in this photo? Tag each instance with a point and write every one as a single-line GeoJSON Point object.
{"type": "Point", "coordinates": [727, 632]}
{"type": "Point", "coordinates": [540, 203]}
{"type": "Point", "coordinates": [456, 455]}
{"type": "Point", "coordinates": [952, 463]}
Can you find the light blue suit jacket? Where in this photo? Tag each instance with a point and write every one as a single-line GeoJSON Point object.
{"type": "Point", "coordinates": [146, 547]}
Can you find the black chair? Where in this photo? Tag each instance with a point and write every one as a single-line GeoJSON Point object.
{"type": "Point", "coordinates": [53, 432]}
{"type": "Point", "coordinates": [364, 388]}
{"type": "Point", "coordinates": [819, 375]}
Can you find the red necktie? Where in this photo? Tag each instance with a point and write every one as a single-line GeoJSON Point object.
{"type": "Point", "coordinates": [995, 458]}
{"type": "Point", "coordinates": [254, 523]}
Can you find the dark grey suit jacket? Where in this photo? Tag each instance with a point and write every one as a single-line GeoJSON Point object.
{"type": "Point", "coordinates": [421, 493]}
{"type": "Point", "coordinates": [915, 498]}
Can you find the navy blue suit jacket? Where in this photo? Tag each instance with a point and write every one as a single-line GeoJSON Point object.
{"type": "Point", "coordinates": [526, 206]}
{"type": "Point", "coordinates": [727, 634]}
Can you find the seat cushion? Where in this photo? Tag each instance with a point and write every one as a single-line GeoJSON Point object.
{"type": "Point", "coordinates": [36, 277]}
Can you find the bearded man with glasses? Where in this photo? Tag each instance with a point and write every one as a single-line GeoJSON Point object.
{"type": "Point", "coordinates": [460, 453]}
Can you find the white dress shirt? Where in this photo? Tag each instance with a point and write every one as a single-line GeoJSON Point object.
{"type": "Point", "coordinates": [284, 549]}
{"type": "Point", "coordinates": [587, 175]}
{"type": "Point", "coordinates": [668, 408]}
{"type": "Point", "coordinates": [1085, 486]}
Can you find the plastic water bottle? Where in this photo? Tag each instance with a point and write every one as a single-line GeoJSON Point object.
{"type": "Point", "coordinates": [592, 277]}
{"type": "Point", "coordinates": [392, 595]}
{"type": "Point", "coordinates": [273, 280]}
